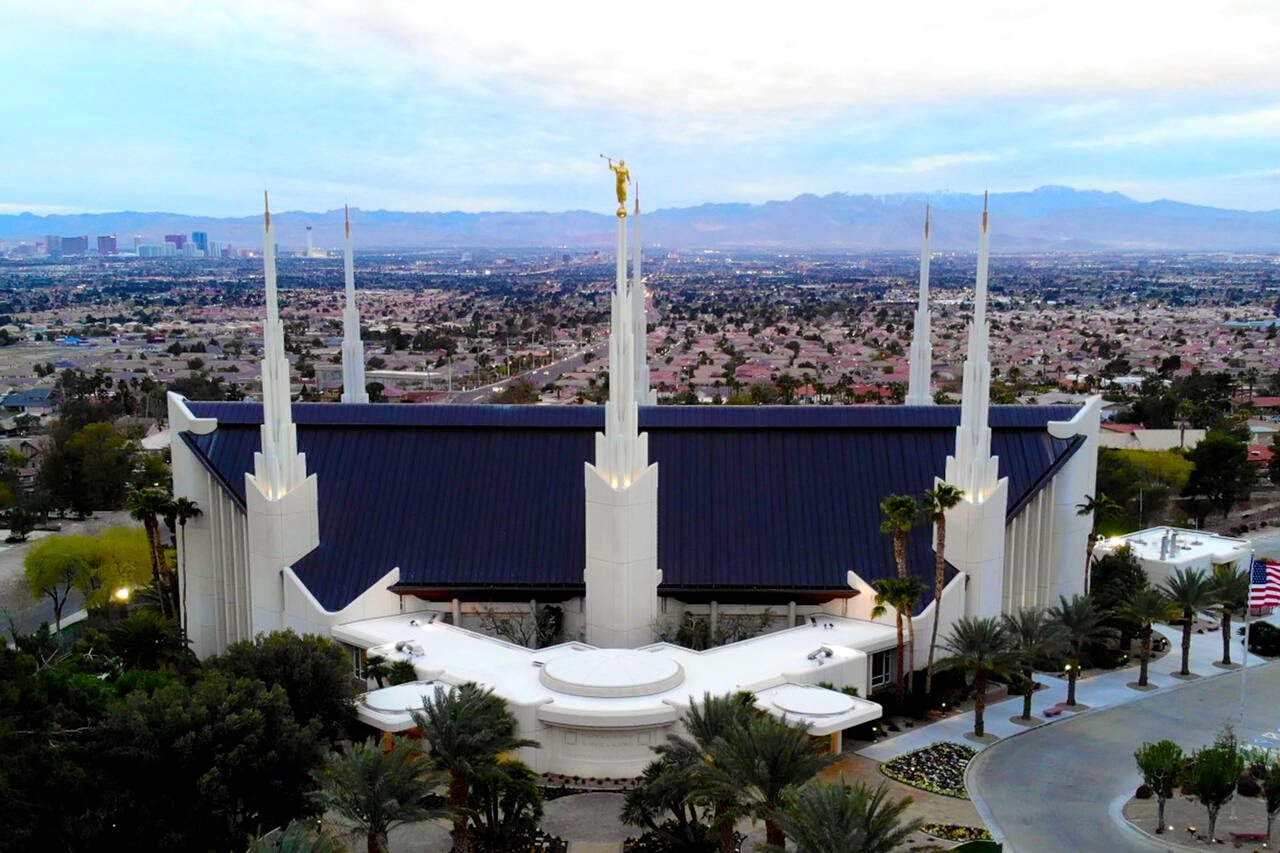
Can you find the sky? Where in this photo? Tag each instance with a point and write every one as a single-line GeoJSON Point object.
{"type": "Point", "coordinates": [196, 107]}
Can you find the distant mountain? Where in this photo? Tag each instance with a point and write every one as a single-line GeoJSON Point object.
{"type": "Point", "coordinates": [1045, 219]}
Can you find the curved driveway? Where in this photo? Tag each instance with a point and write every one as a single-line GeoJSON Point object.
{"type": "Point", "coordinates": [1060, 787]}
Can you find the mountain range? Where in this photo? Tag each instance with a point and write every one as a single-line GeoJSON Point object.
{"type": "Point", "coordinates": [1046, 219]}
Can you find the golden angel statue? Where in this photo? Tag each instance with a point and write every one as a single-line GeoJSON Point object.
{"type": "Point", "coordinates": [623, 177]}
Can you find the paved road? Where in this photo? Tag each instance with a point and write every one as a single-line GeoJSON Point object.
{"type": "Point", "coordinates": [1061, 787]}
{"type": "Point", "coordinates": [538, 378]}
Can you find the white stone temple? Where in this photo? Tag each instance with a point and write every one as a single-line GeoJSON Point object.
{"type": "Point", "coordinates": [400, 527]}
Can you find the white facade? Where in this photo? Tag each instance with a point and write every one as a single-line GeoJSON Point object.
{"type": "Point", "coordinates": [1163, 550]}
{"type": "Point", "coordinates": [599, 712]}
{"type": "Point", "coordinates": [238, 575]}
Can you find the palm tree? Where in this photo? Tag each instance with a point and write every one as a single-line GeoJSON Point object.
{"type": "Point", "coordinates": [937, 501]}
{"type": "Point", "coordinates": [468, 727]}
{"type": "Point", "coordinates": [980, 647]}
{"type": "Point", "coordinates": [1034, 639]}
{"type": "Point", "coordinates": [1146, 606]}
{"type": "Point", "coordinates": [902, 594]}
{"type": "Point", "coordinates": [1231, 595]}
{"type": "Point", "coordinates": [148, 506]}
{"type": "Point", "coordinates": [842, 818]}
{"type": "Point", "coordinates": [767, 757]}
{"type": "Point", "coordinates": [184, 509]}
{"type": "Point", "coordinates": [1192, 591]}
{"type": "Point", "coordinates": [376, 790]}
{"type": "Point", "coordinates": [1100, 508]}
{"type": "Point", "coordinates": [706, 722]}
{"type": "Point", "coordinates": [1082, 623]}
{"type": "Point", "coordinates": [901, 513]}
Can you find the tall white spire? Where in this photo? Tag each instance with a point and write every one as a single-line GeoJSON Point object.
{"type": "Point", "coordinates": [921, 363]}
{"type": "Point", "coordinates": [353, 386]}
{"type": "Point", "coordinates": [622, 452]}
{"type": "Point", "coordinates": [973, 468]}
{"type": "Point", "coordinates": [278, 467]}
{"type": "Point", "coordinates": [621, 573]}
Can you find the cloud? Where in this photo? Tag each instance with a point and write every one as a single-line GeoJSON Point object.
{"type": "Point", "coordinates": [1263, 123]}
{"type": "Point", "coordinates": [936, 162]}
{"type": "Point", "coordinates": [724, 68]}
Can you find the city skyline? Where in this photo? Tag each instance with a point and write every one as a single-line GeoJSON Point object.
{"type": "Point", "coordinates": [182, 106]}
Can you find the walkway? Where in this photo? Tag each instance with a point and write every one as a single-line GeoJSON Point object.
{"type": "Point", "coordinates": [1082, 763]}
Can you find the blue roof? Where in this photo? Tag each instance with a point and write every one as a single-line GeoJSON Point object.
{"type": "Point", "coordinates": [486, 501]}
{"type": "Point", "coordinates": [30, 397]}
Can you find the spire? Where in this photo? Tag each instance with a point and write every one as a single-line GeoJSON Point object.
{"type": "Point", "coordinates": [645, 395]}
{"type": "Point", "coordinates": [279, 467]}
{"type": "Point", "coordinates": [622, 453]}
{"type": "Point", "coordinates": [353, 386]}
{"type": "Point", "coordinates": [921, 363]}
{"type": "Point", "coordinates": [973, 468]}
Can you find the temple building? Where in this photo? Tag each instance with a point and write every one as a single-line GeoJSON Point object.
{"type": "Point", "coordinates": [396, 528]}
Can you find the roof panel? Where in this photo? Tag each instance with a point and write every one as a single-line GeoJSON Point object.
{"type": "Point", "coordinates": [750, 498]}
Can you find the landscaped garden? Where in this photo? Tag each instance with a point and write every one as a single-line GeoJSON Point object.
{"type": "Point", "coordinates": [955, 832]}
{"type": "Point", "coordinates": [937, 768]}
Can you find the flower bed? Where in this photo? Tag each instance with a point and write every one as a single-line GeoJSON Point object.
{"type": "Point", "coordinates": [955, 832]}
{"type": "Point", "coordinates": [937, 768]}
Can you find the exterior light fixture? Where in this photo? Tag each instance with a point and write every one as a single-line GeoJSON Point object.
{"type": "Point", "coordinates": [122, 594]}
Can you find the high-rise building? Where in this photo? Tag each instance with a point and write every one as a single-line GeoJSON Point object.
{"type": "Point", "coordinates": [178, 240]}
{"type": "Point", "coordinates": [53, 246]}
{"type": "Point", "coordinates": [107, 245]}
{"type": "Point", "coordinates": [201, 241]}
{"type": "Point", "coordinates": [137, 241]}
{"type": "Point", "coordinates": [75, 245]}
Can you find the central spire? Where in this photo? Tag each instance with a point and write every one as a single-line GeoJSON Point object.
{"type": "Point", "coordinates": [353, 387]}
{"type": "Point", "coordinates": [921, 363]}
{"type": "Point", "coordinates": [622, 452]}
{"type": "Point", "coordinates": [279, 467]}
{"type": "Point", "coordinates": [973, 468]}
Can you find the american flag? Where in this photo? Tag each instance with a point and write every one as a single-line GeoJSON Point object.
{"type": "Point", "coordinates": [1264, 584]}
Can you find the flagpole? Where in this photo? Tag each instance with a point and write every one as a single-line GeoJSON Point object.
{"type": "Point", "coordinates": [1244, 658]}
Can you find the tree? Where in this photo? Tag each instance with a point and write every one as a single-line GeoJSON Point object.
{"type": "Point", "coordinates": [507, 806]}
{"type": "Point", "coordinates": [1211, 777]}
{"type": "Point", "coordinates": [313, 671]}
{"type": "Point", "coordinates": [901, 513]}
{"type": "Point", "coordinates": [184, 509]}
{"type": "Point", "coordinates": [979, 647]}
{"type": "Point", "coordinates": [375, 789]}
{"type": "Point", "coordinates": [937, 501]}
{"type": "Point", "coordinates": [902, 594]}
{"type": "Point", "coordinates": [1271, 791]}
{"type": "Point", "coordinates": [707, 723]}
{"type": "Point", "coordinates": [1147, 606]}
{"type": "Point", "coordinates": [1034, 639]}
{"type": "Point", "coordinates": [1230, 592]}
{"type": "Point", "coordinates": [1099, 509]}
{"type": "Point", "coordinates": [147, 640]}
{"type": "Point", "coordinates": [1192, 591]}
{"type": "Point", "coordinates": [118, 563]}
{"type": "Point", "coordinates": [1115, 577]}
{"type": "Point", "coordinates": [1223, 474]}
{"type": "Point", "coordinates": [468, 727]}
{"type": "Point", "coordinates": [52, 568]}
{"type": "Point", "coordinates": [88, 471]}
{"type": "Point", "coordinates": [1160, 764]}
{"type": "Point", "coordinates": [767, 756]}
{"type": "Point", "coordinates": [149, 506]}
{"type": "Point", "coordinates": [1082, 623]}
{"type": "Point", "coordinates": [199, 768]}
{"type": "Point", "coordinates": [842, 818]}
{"type": "Point", "coordinates": [666, 803]}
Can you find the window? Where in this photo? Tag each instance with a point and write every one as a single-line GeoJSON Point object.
{"type": "Point", "coordinates": [882, 668]}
